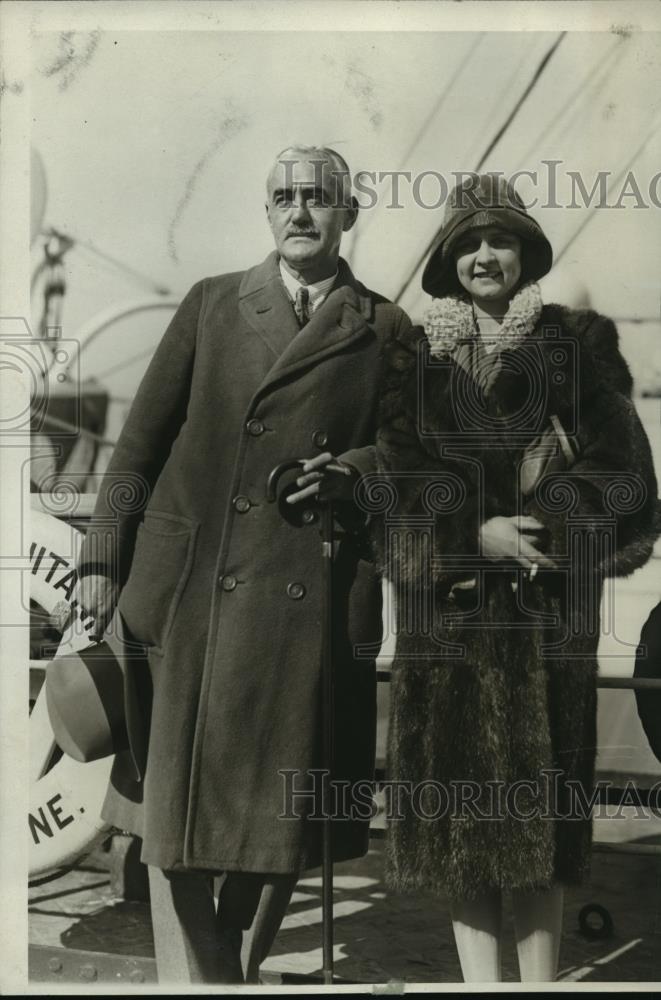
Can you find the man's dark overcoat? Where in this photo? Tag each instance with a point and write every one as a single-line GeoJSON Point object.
{"type": "Point", "coordinates": [493, 694]}
{"type": "Point", "coordinates": [224, 590]}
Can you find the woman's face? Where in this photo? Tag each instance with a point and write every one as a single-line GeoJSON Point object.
{"type": "Point", "coordinates": [488, 263]}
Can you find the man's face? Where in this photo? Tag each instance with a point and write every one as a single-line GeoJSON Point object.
{"type": "Point", "coordinates": [306, 214]}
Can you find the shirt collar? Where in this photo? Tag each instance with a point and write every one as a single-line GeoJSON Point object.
{"type": "Point", "coordinates": [318, 291]}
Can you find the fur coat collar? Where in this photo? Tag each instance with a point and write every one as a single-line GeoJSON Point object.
{"type": "Point", "coordinates": [449, 322]}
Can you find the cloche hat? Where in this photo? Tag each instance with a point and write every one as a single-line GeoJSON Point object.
{"type": "Point", "coordinates": [484, 200]}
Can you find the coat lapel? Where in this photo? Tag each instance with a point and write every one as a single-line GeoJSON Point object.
{"type": "Point", "coordinates": [341, 319]}
{"type": "Point", "coordinates": [265, 305]}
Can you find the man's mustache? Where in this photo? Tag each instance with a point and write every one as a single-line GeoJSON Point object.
{"type": "Point", "coordinates": [302, 232]}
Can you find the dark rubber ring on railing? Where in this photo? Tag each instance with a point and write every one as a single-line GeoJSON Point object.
{"type": "Point", "coordinates": [590, 928]}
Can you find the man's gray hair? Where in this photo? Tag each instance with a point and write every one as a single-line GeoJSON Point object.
{"type": "Point", "coordinates": [339, 166]}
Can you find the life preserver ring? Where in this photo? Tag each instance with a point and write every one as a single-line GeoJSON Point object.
{"type": "Point", "coordinates": [64, 820]}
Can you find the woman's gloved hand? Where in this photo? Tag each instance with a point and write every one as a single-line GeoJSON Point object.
{"type": "Point", "coordinates": [515, 539]}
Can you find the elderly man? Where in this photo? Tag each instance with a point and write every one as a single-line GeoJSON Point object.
{"type": "Point", "coordinates": [224, 589]}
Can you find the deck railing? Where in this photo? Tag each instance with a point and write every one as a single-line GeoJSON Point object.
{"type": "Point", "coordinates": [84, 508]}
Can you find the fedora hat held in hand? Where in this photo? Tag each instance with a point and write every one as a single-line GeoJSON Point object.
{"type": "Point", "coordinates": [484, 200]}
{"type": "Point", "coordinates": [92, 699]}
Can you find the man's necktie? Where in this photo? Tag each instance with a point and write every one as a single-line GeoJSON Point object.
{"type": "Point", "coordinates": [301, 305]}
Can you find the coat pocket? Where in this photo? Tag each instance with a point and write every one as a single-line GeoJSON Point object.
{"type": "Point", "coordinates": [161, 566]}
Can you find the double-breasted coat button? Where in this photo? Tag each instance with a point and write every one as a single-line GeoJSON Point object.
{"type": "Point", "coordinates": [255, 427]}
{"type": "Point", "coordinates": [320, 439]}
{"type": "Point", "coordinates": [296, 591]}
{"type": "Point", "coordinates": [241, 504]}
{"type": "Point", "coordinates": [228, 582]}
{"type": "Point", "coordinates": [309, 516]}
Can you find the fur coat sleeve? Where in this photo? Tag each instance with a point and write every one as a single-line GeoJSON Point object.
{"type": "Point", "coordinates": [612, 482]}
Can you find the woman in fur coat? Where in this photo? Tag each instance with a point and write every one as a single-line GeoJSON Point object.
{"type": "Point", "coordinates": [514, 477]}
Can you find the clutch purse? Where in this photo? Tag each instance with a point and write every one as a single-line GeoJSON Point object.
{"type": "Point", "coordinates": [551, 451]}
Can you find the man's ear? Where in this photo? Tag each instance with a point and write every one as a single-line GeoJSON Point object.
{"type": "Point", "coordinates": [350, 215]}
{"type": "Point", "coordinates": [268, 212]}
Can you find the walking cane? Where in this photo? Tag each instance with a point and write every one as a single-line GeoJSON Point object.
{"type": "Point", "coordinates": [327, 693]}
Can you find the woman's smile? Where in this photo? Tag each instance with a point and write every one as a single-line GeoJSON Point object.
{"type": "Point", "coordinates": [488, 261]}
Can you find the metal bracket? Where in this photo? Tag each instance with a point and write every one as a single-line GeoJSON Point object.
{"type": "Point", "coordinates": [71, 965]}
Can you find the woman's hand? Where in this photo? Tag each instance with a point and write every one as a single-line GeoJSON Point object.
{"type": "Point", "coordinates": [513, 538]}
{"type": "Point", "coordinates": [325, 478]}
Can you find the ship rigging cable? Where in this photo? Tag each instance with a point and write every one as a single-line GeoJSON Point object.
{"type": "Point", "coordinates": [492, 145]}
{"type": "Point", "coordinates": [583, 91]}
{"type": "Point", "coordinates": [436, 108]}
{"type": "Point", "coordinates": [621, 175]}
